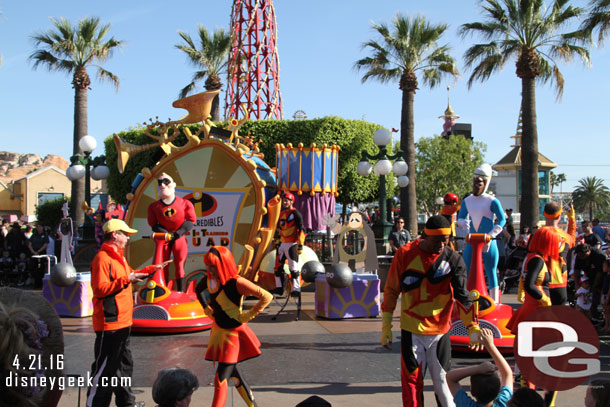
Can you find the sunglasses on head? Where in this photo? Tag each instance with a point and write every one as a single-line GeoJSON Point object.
{"type": "Point", "coordinates": [164, 181]}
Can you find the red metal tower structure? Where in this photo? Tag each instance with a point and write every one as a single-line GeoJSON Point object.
{"type": "Point", "coordinates": [254, 66]}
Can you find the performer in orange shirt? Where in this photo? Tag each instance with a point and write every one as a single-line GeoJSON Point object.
{"type": "Point", "coordinates": [429, 276]}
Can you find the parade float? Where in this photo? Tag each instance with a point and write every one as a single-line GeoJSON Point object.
{"type": "Point", "coordinates": [235, 197]}
{"type": "Point", "coordinates": [493, 316]}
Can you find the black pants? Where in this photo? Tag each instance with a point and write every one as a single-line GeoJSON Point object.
{"type": "Point", "coordinates": [111, 369]}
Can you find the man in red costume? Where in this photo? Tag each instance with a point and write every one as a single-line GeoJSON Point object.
{"type": "Point", "coordinates": [291, 237]}
{"type": "Point", "coordinates": [176, 216]}
{"type": "Point", "coordinates": [429, 276]}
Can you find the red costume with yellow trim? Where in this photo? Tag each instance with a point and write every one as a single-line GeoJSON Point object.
{"type": "Point", "coordinates": [558, 267]}
{"type": "Point", "coordinates": [291, 236]}
{"type": "Point", "coordinates": [534, 283]}
{"type": "Point", "coordinates": [428, 284]}
{"type": "Point", "coordinates": [176, 218]}
{"type": "Point", "coordinates": [231, 340]}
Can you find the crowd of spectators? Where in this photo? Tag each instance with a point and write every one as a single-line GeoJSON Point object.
{"type": "Point", "coordinates": [24, 253]}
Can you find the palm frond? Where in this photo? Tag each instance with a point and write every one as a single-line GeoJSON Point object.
{"type": "Point", "coordinates": [104, 75]}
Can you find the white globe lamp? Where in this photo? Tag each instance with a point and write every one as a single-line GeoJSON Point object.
{"type": "Point", "coordinates": [364, 168]}
{"type": "Point", "coordinates": [382, 137]}
{"type": "Point", "coordinates": [87, 144]}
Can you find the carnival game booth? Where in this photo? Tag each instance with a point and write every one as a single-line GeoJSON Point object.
{"type": "Point", "coordinates": [233, 192]}
{"type": "Point", "coordinates": [491, 315]}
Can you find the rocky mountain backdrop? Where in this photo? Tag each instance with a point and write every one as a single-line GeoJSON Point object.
{"type": "Point", "coordinates": [14, 165]}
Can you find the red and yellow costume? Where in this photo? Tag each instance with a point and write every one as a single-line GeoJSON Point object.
{"type": "Point", "coordinates": [291, 236]}
{"type": "Point", "coordinates": [176, 218]}
{"type": "Point", "coordinates": [231, 340]}
{"type": "Point", "coordinates": [428, 283]}
{"type": "Point", "coordinates": [535, 277]}
{"type": "Point", "coordinates": [558, 267]}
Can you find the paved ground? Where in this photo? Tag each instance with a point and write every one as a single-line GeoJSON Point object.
{"type": "Point", "coordinates": [341, 361]}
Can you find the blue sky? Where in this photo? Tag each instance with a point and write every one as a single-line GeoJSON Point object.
{"type": "Point", "coordinates": [318, 43]}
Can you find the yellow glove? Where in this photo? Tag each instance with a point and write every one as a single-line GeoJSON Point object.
{"type": "Point", "coordinates": [521, 291]}
{"type": "Point", "coordinates": [571, 213]}
{"type": "Point", "coordinates": [545, 301]}
{"type": "Point", "coordinates": [386, 329]}
{"type": "Point", "coordinates": [474, 332]}
{"type": "Point", "coordinates": [247, 315]}
{"type": "Point", "coordinates": [208, 311]}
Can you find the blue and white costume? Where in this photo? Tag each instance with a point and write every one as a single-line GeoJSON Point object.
{"type": "Point", "coordinates": [478, 212]}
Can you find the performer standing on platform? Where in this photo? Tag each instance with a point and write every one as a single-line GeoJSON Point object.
{"type": "Point", "coordinates": [176, 216]}
{"type": "Point", "coordinates": [231, 340]}
{"type": "Point", "coordinates": [291, 237]}
{"type": "Point", "coordinates": [429, 276]}
{"type": "Point", "coordinates": [477, 214]}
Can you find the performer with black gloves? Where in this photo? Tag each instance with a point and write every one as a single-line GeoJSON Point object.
{"type": "Point", "coordinates": [231, 341]}
{"type": "Point", "coordinates": [176, 216]}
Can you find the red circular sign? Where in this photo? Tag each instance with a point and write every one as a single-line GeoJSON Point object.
{"type": "Point", "coordinates": [557, 348]}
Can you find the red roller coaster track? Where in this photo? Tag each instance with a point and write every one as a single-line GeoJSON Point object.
{"type": "Point", "coordinates": [254, 66]}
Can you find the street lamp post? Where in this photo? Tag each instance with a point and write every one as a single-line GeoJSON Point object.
{"type": "Point", "coordinates": [81, 166]}
{"type": "Point", "coordinates": [383, 167]}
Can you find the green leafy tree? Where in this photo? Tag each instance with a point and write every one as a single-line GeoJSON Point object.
{"type": "Point", "coordinates": [73, 49]}
{"type": "Point", "coordinates": [445, 166]}
{"type": "Point", "coordinates": [211, 58]}
{"type": "Point", "coordinates": [591, 194]}
{"type": "Point", "coordinates": [352, 136]}
{"type": "Point", "coordinates": [50, 213]}
{"type": "Point", "coordinates": [535, 36]}
{"type": "Point", "coordinates": [407, 49]}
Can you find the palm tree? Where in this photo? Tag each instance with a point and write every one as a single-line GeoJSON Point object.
{"type": "Point", "coordinates": [72, 49]}
{"type": "Point", "coordinates": [410, 48]}
{"type": "Point", "coordinates": [557, 179]}
{"type": "Point", "coordinates": [598, 18]}
{"type": "Point", "coordinates": [591, 194]}
{"type": "Point", "coordinates": [212, 57]}
{"type": "Point", "coordinates": [531, 33]}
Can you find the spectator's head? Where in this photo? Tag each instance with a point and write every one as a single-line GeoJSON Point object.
{"type": "Point", "coordinates": [39, 228]}
{"type": "Point", "coordinates": [598, 394]}
{"type": "Point", "coordinates": [525, 397]}
{"type": "Point", "coordinates": [400, 223]}
{"type": "Point", "coordinates": [584, 282]}
{"type": "Point", "coordinates": [586, 227]}
{"type": "Point", "coordinates": [582, 251]}
{"type": "Point", "coordinates": [484, 387]}
{"type": "Point", "coordinates": [595, 222]}
{"type": "Point", "coordinates": [16, 226]}
{"type": "Point", "coordinates": [174, 387]}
